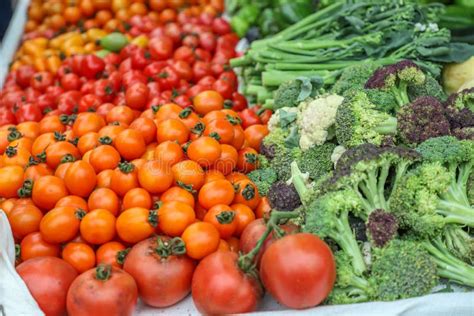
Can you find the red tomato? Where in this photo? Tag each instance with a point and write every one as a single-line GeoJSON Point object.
{"type": "Point", "coordinates": [28, 112]}
{"type": "Point", "coordinates": [221, 26]}
{"type": "Point", "coordinates": [91, 66]}
{"type": "Point", "coordinates": [168, 78]}
{"type": "Point", "coordinates": [41, 80]}
{"type": "Point", "coordinates": [224, 87]}
{"type": "Point", "coordinates": [104, 290]}
{"type": "Point", "coordinates": [315, 277]}
{"type": "Point", "coordinates": [70, 81]}
{"type": "Point", "coordinates": [201, 69]}
{"type": "Point", "coordinates": [162, 271]}
{"type": "Point", "coordinates": [137, 96]}
{"type": "Point", "coordinates": [239, 102]}
{"type": "Point", "coordinates": [140, 58]}
{"type": "Point", "coordinates": [249, 118]}
{"type": "Point", "coordinates": [48, 279]}
{"type": "Point", "coordinates": [161, 48]}
{"type": "Point", "coordinates": [207, 40]}
{"type": "Point", "coordinates": [23, 75]}
{"type": "Point", "coordinates": [220, 287]}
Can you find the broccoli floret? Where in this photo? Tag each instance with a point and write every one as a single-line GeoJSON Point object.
{"type": "Point", "coordinates": [372, 173]}
{"type": "Point", "coordinates": [457, 156]}
{"type": "Point", "coordinates": [381, 227]}
{"type": "Point", "coordinates": [460, 108]}
{"type": "Point", "coordinates": [449, 266]}
{"type": "Point", "coordinates": [283, 196]}
{"type": "Point", "coordinates": [427, 199]}
{"type": "Point", "coordinates": [397, 78]}
{"type": "Point", "coordinates": [350, 287]}
{"type": "Point", "coordinates": [316, 120]}
{"type": "Point", "coordinates": [431, 87]}
{"type": "Point", "coordinates": [358, 122]}
{"type": "Point", "coordinates": [355, 77]}
{"type": "Point", "coordinates": [316, 161]}
{"type": "Point", "coordinates": [422, 119]}
{"type": "Point", "coordinates": [403, 269]}
{"type": "Point", "coordinates": [459, 242]}
{"type": "Point", "coordinates": [273, 143]}
{"type": "Point", "coordinates": [263, 179]}
{"type": "Point", "coordinates": [282, 161]}
{"type": "Point", "coordinates": [463, 133]}
{"type": "Point", "coordinates": [291, 93]}
{"type": "Point", "coordinates": [328, 217]}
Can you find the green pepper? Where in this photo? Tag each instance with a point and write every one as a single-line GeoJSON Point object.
{"type": "Point", "coordinates": [114, 42]}
{"type": "Point", "coordinates": [102, 53]}
{"type": "Point", "coordinates": [239, 25]}
{"type": "Point", "coordinates": [295, 10]}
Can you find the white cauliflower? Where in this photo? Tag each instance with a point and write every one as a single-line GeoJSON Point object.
{"type": "Point", "coordinates": [315, 118]}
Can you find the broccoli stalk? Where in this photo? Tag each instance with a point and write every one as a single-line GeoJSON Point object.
{"type": "Point", "coordinates": [449, 266]}
{"type": "Point", "coordinates": [328, 217]}
{"type": "Point", "coordinates": [397, 78]}
{"type": "Point", "coordinates": [459, 242]}
{"type": "Point", "coordinates": [349, 287]}
{"type": "Point", "coordinates": [372, 174]}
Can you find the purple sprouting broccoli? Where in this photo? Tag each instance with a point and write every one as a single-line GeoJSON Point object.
{"type": "Point", "coordinates": [460, 109]}
{"type": "Point", "coordinates": [397, 78]}
{"type": "Point", "coordinates": [381, 227]}
{"type": "Point", "coordinates": [422, 119]}
{"type": "Point", "coordinates": [464, 133]}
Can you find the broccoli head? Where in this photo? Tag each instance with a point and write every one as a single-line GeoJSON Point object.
{"type": "Point", "coordinates": [358, 122]}
{"type": "Point", "coordinates": [263, 179]}
{"type": "Point", "coordinates": [396, 79]}
{"type": "Point", "coordinates": [372, 173]}
{"type": "Point", "coordinates": [431, 87]}
{"type": "Point", "coordinates": [422, 119]}
{"type": "Point", "coordinates": [274, 142]}
{"type": "Point", "coordinates": [427, 199]}
{"type": "Point", "coordinates": [381, 227]}
{"type": "Point", "coordinates": [463, 133]}
{"type": "Point", "coordinates": [460, 108]}
{"type": "Point", "coordinates": [283, 197]}
{"type": "Point", "coordinates": [282, 161]}
{"type": "Point", "coordinates": [350, 287]}
{"type": "Point", "coordinates": [291, 93]}
{"type": "Point", "coordinates": [403, 269]}
{"type": "Point", "coordinates": [316, 161]}
{"type": "Point", "coordinates": [328, 217]}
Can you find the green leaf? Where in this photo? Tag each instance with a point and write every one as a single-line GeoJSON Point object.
{"type": "Point", "coordinates": [287, 118]}
{"type": "Point", "coordinates": [293, 139]}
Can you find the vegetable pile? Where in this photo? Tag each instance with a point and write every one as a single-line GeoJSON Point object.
{"type": "Point", "coordinates": [344, 34]}
{"type": "Point", "coordinates": [132, 168]}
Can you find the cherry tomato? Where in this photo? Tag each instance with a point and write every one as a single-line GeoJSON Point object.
{"type": "Point", "coordinates": [91, 66]}
{"type": "Point", "coordinates": [98, 226]}
{"type": "Point", "coordinates": [33, 246]}
{"type": "Point", "coordinates": [80, 255]}
{"type": "Point", "coordinates": [112, 252]}
{"type": "Point", "coordinates": [161, 48]}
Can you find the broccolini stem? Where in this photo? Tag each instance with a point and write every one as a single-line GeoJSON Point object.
{"type": "Point", "coordinates": [366, 202]}
{"type": "Point", "coordinates": [463, 175]}
{"type": "Point", "coordinates": [456, 194]}
{"type": "Point", "coordinates": [456, 213]}
{"type": "Point", "coordinates": [349, 245]}
{"type": "Point", "coordinates": [297, 178]}
{"type": "Point", "coordinates": [389, 127]}
{"type": "Point", "coordinates": [449, 266]}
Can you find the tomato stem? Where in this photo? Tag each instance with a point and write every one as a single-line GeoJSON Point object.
{"type": "Point", "coordinates": [121, 255]}
{"type": "Point", "coordinates": [246, 262]}
{"type": "Point", "coordinates": [171, 247]}
{"type": "Point", "coordinates": [103, 272]}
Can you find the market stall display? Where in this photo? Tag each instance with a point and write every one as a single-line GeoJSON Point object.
{"type": "Point", "coordinates": [147, 162]}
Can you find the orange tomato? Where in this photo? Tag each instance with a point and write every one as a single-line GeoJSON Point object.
{"type": "Point", "coordinates": [79, 255]}
{"type": "Point", "coordinates": [201, 239]}
{"type": "Point", "coordinates": [227, 161]}
{"type": "Point", "coordinates": [188, 173]}
{"type": "Point", "coordinates": [136, 224]}
{"type": "Point", "coordinates": [168, 153]}
{"type": "Point", "coordinates": [243, 215]}
{"type": "Point", "coordinates": [112, 252]}
{"type": "Point", "coordinates": [104, 157]}
{"type": "Point", "coordinates": [98, 226]}
{"type": "Point", "coordinates": [248, 159]}
{"type": "Point", "coordinates": [61, 152]}
{"type": "Point", "coordinates": [168, 111]}
{"type": "Point", "coordinates": [130, 144]}
{"type": "Point", "coordinates": [173, 130]}
{"type": "Point", "coordinates": [80, 178]}
{"type": "Point", "coordinates": [51, 124]}
{"type": "Point", "coordinates": [247, 193]}
{"type": "Point", "coordinates": [33, 245]}
{"type": "Point", "coordinates": [155, 177]}
{"type": "Point", "coordinates": [61, 224]}
{"type": "Point", "coordinates": [174, 217]}
{"type": "Point", "coordinates": [213, 175]}
{"type": "Point", "coordinates": [120, 113]}
{"type": "Point", "coordinates": [137, 197]}
{"type": "Point", "coordinates": [216, 192]}
{"type": "Point", "coordinates": [221, 129]}
{"type": "Point", "coordinates": [47, 191]}
{"type": "Point", "coordinates": [87, 122]}
{"type": "Point", "coordinates": [73, 201]}
{"type": "Point", "coordinates": [205, 151]}
{"type": "Point", "coordinates": [103, 178]}
{"type": "Point", "coordinates": [178, 194]}
{"type": "Point", "coordinates": [87, 142]}
{"type": "Point", "coordinates": [124, 178]}
{"type": "Point", "coordinates": [208, 101]}
{"type": "Point", "coordinates": [24, 219]}
{"type": "Point", "coordinates": [146, 127]}
{"type": "Point", "coordinates": [104, 198]}
{"type": "Point", "coordinates": [34, 172]}
{"type": "Point", "coordinates": [223, 218]}
{"type": "Point", "coordinates": [263, 209]}
{"type": "Point", "coordinates": [255, 134]}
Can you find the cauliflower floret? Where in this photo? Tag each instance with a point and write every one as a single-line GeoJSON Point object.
{"type": "Point", "coordinates": [274, 121]}
{"type": "Point", "coordinates": [315, 118]}
{"type": "Point", "coordinates": [337, 153]}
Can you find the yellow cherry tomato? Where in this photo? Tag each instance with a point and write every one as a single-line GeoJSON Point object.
{"type": "Point", "coordinates": [140, 41]}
